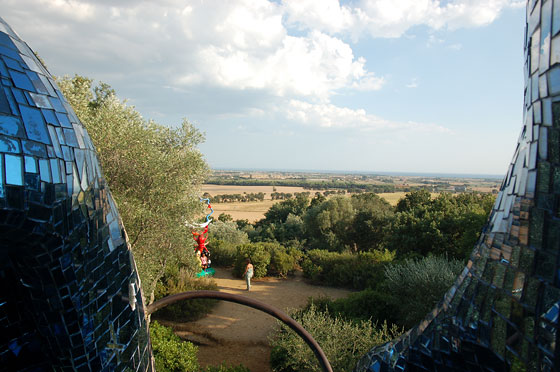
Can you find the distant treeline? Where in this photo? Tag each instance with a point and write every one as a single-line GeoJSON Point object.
{"type": "Point", "coordinates": [232, 198]}
{"type": "Point", "coordinates": [349, 186]}
{"type": "Point", "coordinates": [259, 196]}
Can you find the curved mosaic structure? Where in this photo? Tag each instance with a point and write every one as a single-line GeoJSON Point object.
{"type": "Point", "coordinates": [502, 313]}
{"type": "Point", "coordinates": [70, 298]}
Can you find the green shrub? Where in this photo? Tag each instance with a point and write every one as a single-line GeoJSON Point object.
{"type": "Point", "coordinates": [259, 255]}
{"type": "Point", "coordinates": [222, 254]}
{"type": "Point", "coordinates": [270, 258]}
{"type": "Point", "coordinates": [368, 304]}
{"type": "Point", "coordinates": [178, 281]}
{"type": "Point", "coordinates": [227, 232]}
{"type": "Point", "coordinates": [171, 354]}
{"type": "Point", "coordinates": [418, 285]}
{"type": "Point", "coordinates": [343, 342]}
{"type": "Point", "coordinates": [282, 262]}
{"type": "Point", "coordinates": [359, 271]}
{"type": "Point", "coordinates": [226, 368]}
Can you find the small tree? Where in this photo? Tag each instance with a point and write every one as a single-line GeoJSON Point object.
{"type": "Point", "coordinates": [418, 285]}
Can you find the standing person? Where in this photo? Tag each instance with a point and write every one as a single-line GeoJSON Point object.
{"type": "Point", "coordinates": [204, 261]}
{"type": "Point", "coordinates": [248, 274]}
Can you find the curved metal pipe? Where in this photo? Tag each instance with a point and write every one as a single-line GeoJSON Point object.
{"type": "Point", "coordinates": [242, 300]}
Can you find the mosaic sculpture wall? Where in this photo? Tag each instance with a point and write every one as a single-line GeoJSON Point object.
{"type": "Point", "coordinates": [70, 298]}
{"type": "Point", "coordinates": [502, 312]}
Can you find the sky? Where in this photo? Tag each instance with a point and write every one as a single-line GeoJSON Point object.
{"type": "Point", "coordinates": [431, 86]}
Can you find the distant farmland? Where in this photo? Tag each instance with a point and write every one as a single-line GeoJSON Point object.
{"type": "Point", "coordinates": [254, 211]}
{"type": "Point", "coordinates": [225, 189]}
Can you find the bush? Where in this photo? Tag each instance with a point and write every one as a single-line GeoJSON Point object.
{"type": "Point", "coordinates": [357, 271]}
{"type": "Point", "coordinates": [368, 304]}
{"type": "Point", "coordinates": [271, 259]}
{"type": "Point", "coordinates": [282, 262]}
{"type": "Point", "coordinates": [228, 232]}
{"type": "Point", "coordinates": [171, 354]}
{"type": "Point", "coordinates": [259, 255]}
{"type": "Point", "coordinates": [418, 285]}
{"type": "Point", "coordinates": [226, 368]}
{"type": "Point", "coordinates": [344, 342]}
{"type": "Point", "coordinates": [222, 253]}
{"type": "Point", "coordinates": [180, 281]}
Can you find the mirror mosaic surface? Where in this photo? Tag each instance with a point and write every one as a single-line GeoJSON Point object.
{"type": "Point", "coordinates": [502, 312]}
{"type": "Point", "coordinates": [70, 298]}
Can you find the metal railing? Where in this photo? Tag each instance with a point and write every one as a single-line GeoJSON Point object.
{"type": "Point", "coordinates": [242, 300]}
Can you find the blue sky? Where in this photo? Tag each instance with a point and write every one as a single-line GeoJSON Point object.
{"type": "Point", "coordinates": [365, 85]}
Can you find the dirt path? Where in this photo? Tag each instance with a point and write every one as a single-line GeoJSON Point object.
{"type": "Point", "coordinates": [237, 334]}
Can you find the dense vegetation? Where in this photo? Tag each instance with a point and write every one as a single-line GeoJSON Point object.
{"type": "Point", "coordinates": [153, 172]}
{"type": "Point", "coordinates": [342, 341]}
{"type": "Point", "coordinates": [358, 241]}
{"type": "Point", "coordinates": [402, 259]}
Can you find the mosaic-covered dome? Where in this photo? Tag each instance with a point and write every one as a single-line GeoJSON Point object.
{"type": "Point", "coordinates": [70, 298]}
{"type": "Point", "coordinates": [502, 312]}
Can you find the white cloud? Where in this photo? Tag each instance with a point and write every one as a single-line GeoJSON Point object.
{"type": "Point", "coordinates": [392, 18]}
{"type": "Point", "coordinates": [240, 44]}
{"type": "Point", "coordinates": [327, 115]}
{"type": "Point", "coordinates": [293, 52]}
{"type": "Point", "coordinates": [314, 65]}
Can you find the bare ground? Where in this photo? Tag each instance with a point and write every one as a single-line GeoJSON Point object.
{"type": "Point", "coordinates": [236, 334]}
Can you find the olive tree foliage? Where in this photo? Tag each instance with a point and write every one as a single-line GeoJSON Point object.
{"type": "Point", "coordinates": [328, 225]}
{"type": "Point", "coordinates": [154, 173]}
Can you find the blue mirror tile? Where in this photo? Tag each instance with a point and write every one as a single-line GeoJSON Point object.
{"type": "Point", "coordinates": [60, 136]}
{"type": "Point", "coordinates": [50, 117]}
{"type": "Point", "coordinates": [6, 41]}
{"type": "Point", "coordinates": [11, 126]}
{"type": "Point", "coordinates": [4, 70]}
{"type": "Point", "coordinates": [70, 137]}
{"type": "Point", "coordinates": [19, 96]}
{"type": "Point", "coordinates": [12, 64]}
{"type": "Point", "coordinates": [4, 104]}
{"type": "Point", "coordinates": [11, 101]}
{"type": "Point", "coordinates": [37, 83]}
{"type": "Point", "coordinates": [57, 105]}
{"type": "Point", "coordinates": [14, 170]}
{"type": "Point", "coordinates": [21, 80]}
{"type": "Point", "coordinates": [48, 85]}
{"type": "Point", "coordinates": [40, 100]}
{"type": "Point", "coordinates": [54, 138]}
{"type": "Point", "coordinates": [44, 170]}
{"type": "Point", "coordinates": [12, 53]}
{"type": "Point", "coordinates": [55, 171]}
{"type": "Point", "coordinates": [9, 145]}
{"type": "Point", "coordinates": [35, 126]}
{"type": "Point", "coordinates": [34, 148]}
{"type": "Point", "coordinates": [30, 164]}
{"type": "Point", "coordinates": [63, 120]}
{"type": "Point", "coordinates": [31, 64]}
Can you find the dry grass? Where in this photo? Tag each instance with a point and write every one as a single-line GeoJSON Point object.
{"type": "Point", "coordinates": [234, 189]}
{"type": "Point", "coordinates": [252, 211]}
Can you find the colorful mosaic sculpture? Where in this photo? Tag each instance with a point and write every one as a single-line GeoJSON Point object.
{"type": "Point", "coordinates": [70, 298]}
{"type": "Point", "coordinates": [502, 312]}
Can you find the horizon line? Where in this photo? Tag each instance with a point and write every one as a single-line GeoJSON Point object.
{"type": "Point", "coordinates": [380, 173]}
